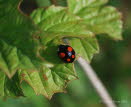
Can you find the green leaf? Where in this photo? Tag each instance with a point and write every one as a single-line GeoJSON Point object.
{"type": "Point", "coordinates": [30, 49]}
{"type": "Point", "coordinates": [49, 80]}
{"type": "Point", "coordinates": [59, 22]}
{"type": "Point", "coordinates": [22, 51]}
{"type": "Point", "coordinates": [9, 87]}
{"type": "Point", "coordinates": [58, 19]}
{"type": "Point", "coordinates": [99, 19]}
{"type": "Point", "coordinates": [86, 47]}
{"type": "Point", "coordinates": [76, 6]}
{"type": "Point", "coordinates": [17, 46]}
{"type": "Point", "coordinates": [43, 3]}
{"type": "Point", "coordinates": [12, 59]}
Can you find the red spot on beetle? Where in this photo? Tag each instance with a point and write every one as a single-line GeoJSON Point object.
{"type": "Point", "coordinates": [68, 60]}
{"type": "Point", "coordinates": [69, 49]}
{"type": "Point", "coordinates": [73, 56]}
{"type": "Point", "coordinates": [62, 55]}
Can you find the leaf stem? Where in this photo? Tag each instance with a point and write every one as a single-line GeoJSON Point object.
{"type": "Point", "coordinates": [96, 82]}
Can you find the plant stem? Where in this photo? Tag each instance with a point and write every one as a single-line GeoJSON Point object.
{"type": "Point", "coordinates": [96, 82]}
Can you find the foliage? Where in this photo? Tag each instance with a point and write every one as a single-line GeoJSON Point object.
{"type": "Point", "coordinates": [28, 45]}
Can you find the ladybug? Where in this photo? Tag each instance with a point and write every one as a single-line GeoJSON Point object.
{"type": "Point", "coordinates": [66, 53]}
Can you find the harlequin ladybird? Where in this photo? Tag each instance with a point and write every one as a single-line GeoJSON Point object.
{"type": "Point", "coordinates": [66, 53]}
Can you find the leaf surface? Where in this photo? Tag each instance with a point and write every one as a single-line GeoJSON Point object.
{"type": "Point", "coordinates": [20, 52]}
{"type": "Point", "coordinates": [10, 87]}
{"type": "Point", "coordinates": [49, 80]}
{"type": "Point", "coordinates": [58, 22]}
{"type": "Point", "coordinates": [98, 18]}
{"type": "Point", "coordinates": [28, 46]}
{"type": "Point", "coordinates": [86, 47]}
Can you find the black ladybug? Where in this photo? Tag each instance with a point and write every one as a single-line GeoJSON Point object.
{"type": "Point", "coordinates": [66, 53]}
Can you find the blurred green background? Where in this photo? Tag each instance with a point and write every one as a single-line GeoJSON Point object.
{"type": "Point", "coordinates": [112, 64]}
